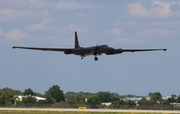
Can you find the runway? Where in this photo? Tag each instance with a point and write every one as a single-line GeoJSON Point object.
{"type": "Point", "coordinates": [93, 110]}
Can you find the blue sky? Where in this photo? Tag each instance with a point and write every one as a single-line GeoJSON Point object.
{"type": "Point", "coordinates": [119, 24]}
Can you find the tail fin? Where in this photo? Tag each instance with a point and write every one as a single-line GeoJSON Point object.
{"type": "Point", "coordinates": [76, 40]}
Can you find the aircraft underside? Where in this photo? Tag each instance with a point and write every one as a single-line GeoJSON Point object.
{"type": "Point", "coordinates": [95, 58]}
{"type": "Point", "coordinates": [88, 54]}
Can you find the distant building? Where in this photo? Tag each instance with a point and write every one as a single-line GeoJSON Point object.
{"type": "Point", "coordinates": [166, 97]}
{"type": "Point", "coordinates": [148, 98]}
{"type": "Point", "coordinates": [106, 104]}
{"type": "Point", "coordinates": [135, 99]}
{"type": "Point", "coordinates": [20, 97]}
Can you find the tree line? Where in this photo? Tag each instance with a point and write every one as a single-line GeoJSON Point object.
{"type": "Point", "coordinates": [55, 95]}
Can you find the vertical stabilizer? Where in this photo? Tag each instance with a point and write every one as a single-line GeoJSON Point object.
{"type": "Point", "coordinates": [76, 40]}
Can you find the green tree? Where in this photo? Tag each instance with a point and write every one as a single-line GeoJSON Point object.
{"type": "Point", "coordinates": [93, 100]}
{"type": "Point", "coordinates": [115, 104]}
{"type": "Point", "coordinates": [130, 103]}
{"type": "Point", "coordinates": [17, 92]}
{"type": "Point", "coordinates": [2, 97]}
{"type": "Point", "coordinates": [115, 99]}
{"type": "Point", "coordinates": [178, 99]}
{"type": "Point", "coordinates": [7, 97]}
{"type": "Point", "coordinates": [70, 98]}
{"type": "Point", "coordinates": [28, 92]}
{"type": "Point", "coordinates": [86, 94]}
{"type": "Point", "coordinates": [56, 93]}
{"type": "Point", "coordinates": [156, 96]}
{"type": "Point", "coordinates": [121, 102]}
{"type": "Point", "coordinates": [150, 94]}
{"type": "Point", "coordinates": [70, 94]}
{"type": "Point", "coordinates": [29, 99]}
{"type": "Point", "coordinates": [114, 95]}
{"type": "Point", "coordinates": [38, 94]}
{"type": "Point", "coordinates": [172, 99]}
{"type": "Point", "coordinates": [104, 96]}
{"type": "Point", "coordinates": [79, 98]}
{"type": "Point", "coordinates": [143, 102]}
{"type": "Point", "coordinates": [49, 98]}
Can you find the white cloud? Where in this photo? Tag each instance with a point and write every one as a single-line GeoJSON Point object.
{"type": "Point", "coordinates": [117, 35]}
{"type": "Point", "coordinates": [40, 4]}
{"type": "Point", "coordinates": [47, 4]}
{"type": "Point", "coordinates": [12, 3]}
{"type": "Point", "coordinates": [132, 23]}
{"type": "Point", "coordinates": [1, 32]}
{"type": "Point", "coordinates": [116, 32]}
{"type": "Point", "coordinates": [11, 14]}
{"type": "Point", "coordinates": [40, 26]}
{"type": "Point", "coordinates": [137, 10]}
{"type": "Point", "coordinates": [127, 41]}
{"type": "Point", "coordinates": [35, 9]}
{"type": "Point", "coordinates": [14, 35]}
{"type": "Point", "coordinates": [157, 33]}
{"type": "Point", "coordinates": [79, 15]}
{"type": "Point", "coordinates": [75, 6]}
{"type": "Point", "coordinates": [162, 24]}
{"type": "Point", "coordinates": [157, 9]}
{"type": "Point", "coordinates": [27, 4]}
{"type": "Point", "coordinates": [163, 8]}
{"type": "Point", "coordinates": [72, 27]}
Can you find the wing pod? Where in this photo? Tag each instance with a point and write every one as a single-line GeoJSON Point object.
{"type": "Point", "coordinates": [116, 51]}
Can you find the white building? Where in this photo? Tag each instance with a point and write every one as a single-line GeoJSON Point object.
{"type": "Point", "coordinates": [135, 99]}
{"type": "Point", "coordinates": [106, 104]}
{"type": "Point", "coordinates": [19, 97]}
{"type": "Point", "coordinates": [166, 97]}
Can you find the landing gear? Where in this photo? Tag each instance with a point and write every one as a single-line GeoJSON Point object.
{"type": "Point", "coordinates": [95, 58]}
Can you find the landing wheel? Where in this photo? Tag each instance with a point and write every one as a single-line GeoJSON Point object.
{"type": "Point", "coordinates": [81, 57]}
{"type": "Point", "coordinates": [95, 58]}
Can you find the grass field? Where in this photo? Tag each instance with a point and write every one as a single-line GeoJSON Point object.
{"type": "Point", "coordinates": [66, 112]}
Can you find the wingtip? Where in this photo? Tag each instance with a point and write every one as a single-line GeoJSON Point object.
{"type": "Point", "coordinates": [165, 49]}
{"type": "Point", "coordinates": [13, 47]}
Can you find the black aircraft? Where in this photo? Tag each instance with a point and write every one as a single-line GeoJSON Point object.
{"type": "Point", "coordinates": [85, 51]}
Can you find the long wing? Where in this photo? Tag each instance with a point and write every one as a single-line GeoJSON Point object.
{"type": "Point", "coordinates": [136, 50]}
{"type": "Point", "coordinates": [45, 49]}
{"type": "Point", "coordinates": [119, 51]}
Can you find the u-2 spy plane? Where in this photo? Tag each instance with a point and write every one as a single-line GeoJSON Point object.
{"type": "Point", "coordinates": [85, 51]}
